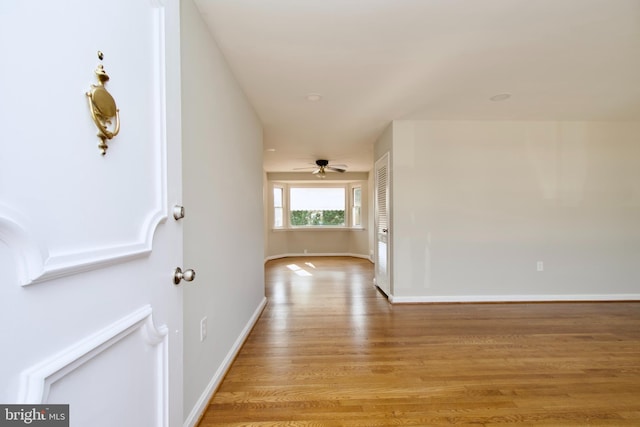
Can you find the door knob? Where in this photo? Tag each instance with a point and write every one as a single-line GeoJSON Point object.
{"type": "Point", "coordinates": [187, 275]}
{"type": "Point", "coordinates": [384, 230]}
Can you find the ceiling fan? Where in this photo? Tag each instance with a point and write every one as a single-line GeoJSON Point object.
{"type": "Point", "coordinates": [322, 166]}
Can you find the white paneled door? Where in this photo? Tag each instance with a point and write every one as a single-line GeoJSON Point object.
{"type": "Point", "coordinates": [89, 312]}
{"type": "Point", "coordinates": [381, 208]}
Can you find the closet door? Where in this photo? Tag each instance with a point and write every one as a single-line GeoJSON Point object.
{"type": "Point", "coordinates": [381, 207]}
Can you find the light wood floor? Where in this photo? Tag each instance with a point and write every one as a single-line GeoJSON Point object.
{"type": "Point", "coordinates": [330, 351]}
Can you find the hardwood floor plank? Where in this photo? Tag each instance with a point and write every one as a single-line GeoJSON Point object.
{"type": "Point", "coordinates": [329, 350]}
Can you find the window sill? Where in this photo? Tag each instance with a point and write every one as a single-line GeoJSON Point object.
{"type": "Point", "coordinates": [318, 229]}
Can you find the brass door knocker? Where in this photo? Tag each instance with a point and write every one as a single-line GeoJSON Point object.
{"type": "Point", "coordinates": [103, 108]}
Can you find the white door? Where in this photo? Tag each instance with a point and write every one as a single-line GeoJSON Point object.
{"type": "Point", "coordinates": [381, 208]}
{"type": "Point", "coordinates": [89, 313]}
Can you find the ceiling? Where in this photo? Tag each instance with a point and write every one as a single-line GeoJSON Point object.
{"type": "Point", "coordinates": [376, 61]}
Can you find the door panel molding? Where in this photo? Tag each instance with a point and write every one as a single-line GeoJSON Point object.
{"type": "Point", "coordinates": [29, 255]}
{"type": "Point", "coordinates": [36, 381]}
{"type": "Point", "coordinates": [39, 261]}
{"type": "Point", "coordinates": [35, 263]}
{"type": "Point", "coordinates": [68, 264]}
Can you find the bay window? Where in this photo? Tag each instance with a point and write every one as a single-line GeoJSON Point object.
{"type": "Point", "coordinates": [302, 205]}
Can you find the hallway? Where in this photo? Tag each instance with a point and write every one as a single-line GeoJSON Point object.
{"type": "Point", "coordinates": [330, 350]}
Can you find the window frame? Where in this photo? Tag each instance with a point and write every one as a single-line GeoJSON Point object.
{"type": "Point", "coordinates": [286, 213]}
{"type": "Point", "coordinates": [281, 207]}
{"type": "Point", "coordinates": [345, 204]}
{"type": "Point", "coordinates": [352, 197]}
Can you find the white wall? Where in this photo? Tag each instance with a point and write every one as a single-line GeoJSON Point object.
{"type": "Point", "coordinates": [384, 143]}
{"type": "Point", "coordinates": [223, 198]}
{"type": "Point", "coordinates": [335, 242]}
{"type": "Point", "coordinates": [477, 204]}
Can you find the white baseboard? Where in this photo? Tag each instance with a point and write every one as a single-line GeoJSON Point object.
{"type": "Point", "coordinates": [203, 401]}
{"type": "Point", "coordinates": [512, 298]}
{"type": "Point", "coordinates": [363, 256]}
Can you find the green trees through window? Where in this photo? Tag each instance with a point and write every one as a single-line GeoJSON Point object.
{"type": "Point", "coordinates": [300, 205]}
{"type": "Point", "coordinates": [317, 217]}
{"type": "Point", "coordinates": [317, 206]}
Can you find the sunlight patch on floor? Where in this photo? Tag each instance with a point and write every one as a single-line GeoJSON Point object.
{"type": "Point", "coordinates": [299, 271]}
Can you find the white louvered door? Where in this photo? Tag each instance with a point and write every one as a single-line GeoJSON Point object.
{"type": "Point", "coordinates": [382, 269]}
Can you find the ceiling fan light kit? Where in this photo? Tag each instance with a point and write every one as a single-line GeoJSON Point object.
{"type": "Point", "coordinates": [323, 166]}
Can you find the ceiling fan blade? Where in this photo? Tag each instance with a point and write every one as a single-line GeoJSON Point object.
{"type": "Point", "coordinates": [307, 168]}
{"type": "Point", "coordinates": [335, 169]}
{"type": "Point", "coordinates": [340, 166]}
{"type": "Point", "coordinates": [316, 171]}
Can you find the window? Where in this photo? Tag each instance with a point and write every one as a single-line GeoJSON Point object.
{"type": "Point", "coordinates": [356, 206]}
{"type": "Point", "coordinates": [278, 207]}
{"type": "Point", "coordinates": [300, 205]}
{"type": "Point", "coordinates": [317, 206]}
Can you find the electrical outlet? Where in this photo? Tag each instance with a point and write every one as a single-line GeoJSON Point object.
{"type": "Point", "coordinates": [305, 251]}
{"type": "Point", "coordinates": [540, 266]}
{"type": "Point", "coordinates": [203, 328]}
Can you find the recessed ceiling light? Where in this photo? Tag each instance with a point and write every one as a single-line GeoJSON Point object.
{"type": "Point", "coordinates": [500, 97]}
{"type": "Point", "coordinates": [314, 97]}
{"type": "Point", "coordinates": [270, 149]}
